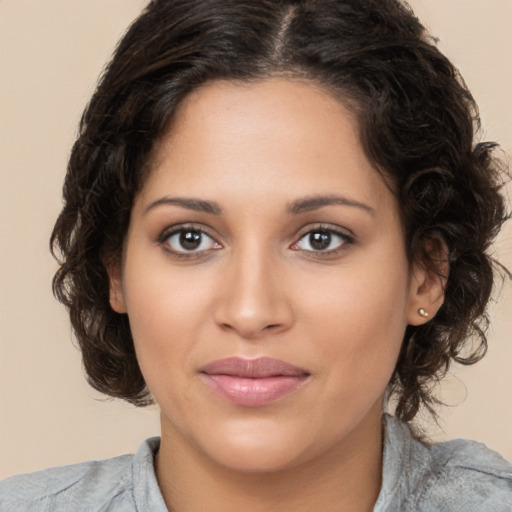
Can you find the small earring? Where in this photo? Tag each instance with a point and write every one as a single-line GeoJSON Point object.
{"type": "Point", "coordinates": [422, 313]}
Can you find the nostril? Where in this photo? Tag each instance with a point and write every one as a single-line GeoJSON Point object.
{"type": "Point", "coordinates": [252, 316]}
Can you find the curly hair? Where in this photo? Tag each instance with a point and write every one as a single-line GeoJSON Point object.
{"type": "Point", "coordinates": [417, 123]}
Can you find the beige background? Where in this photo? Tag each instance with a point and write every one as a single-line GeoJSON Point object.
{"type": "Point", "coordinates": [51, 54]}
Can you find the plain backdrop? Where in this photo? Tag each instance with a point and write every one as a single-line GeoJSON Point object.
{"type": "Point", "coordinates": [51, 53]}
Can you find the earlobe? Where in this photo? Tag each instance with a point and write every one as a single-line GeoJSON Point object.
{"type": "Point", "coordinates": [428, 284]}
{"type": "Point", "coordinates": [426, 296]}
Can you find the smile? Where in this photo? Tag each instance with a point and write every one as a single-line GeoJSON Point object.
{"type": "Point", "coordinates": [253, 382]}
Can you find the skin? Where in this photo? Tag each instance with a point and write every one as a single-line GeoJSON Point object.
{"type": "Point", "coordinates": [256, 287]}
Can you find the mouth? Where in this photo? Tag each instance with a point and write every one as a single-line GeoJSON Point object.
{"type": "Point", "coordinates": [253, 382]}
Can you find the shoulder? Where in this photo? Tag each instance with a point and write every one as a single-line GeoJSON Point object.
{"type": "Point", "coordinates": [468, 476]}
{"type": "Point", "coordinates": [451, 476]}
{"type": "Point", "coordinates": [94, 485]}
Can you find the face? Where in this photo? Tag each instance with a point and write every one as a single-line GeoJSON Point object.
{"type": "Point", "coordinates": [265, 278]}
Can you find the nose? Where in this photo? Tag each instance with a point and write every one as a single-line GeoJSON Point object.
{"type": "Point", "coordinates": [254, 301]}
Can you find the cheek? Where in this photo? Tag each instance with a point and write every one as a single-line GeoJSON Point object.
{"type": "Point", "coordinates": [359, 317]}
{"type": "Point", "coordinates": [166, 314]}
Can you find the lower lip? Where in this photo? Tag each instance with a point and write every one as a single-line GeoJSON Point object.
{"type": "Point", "coordinates": [253, 392]}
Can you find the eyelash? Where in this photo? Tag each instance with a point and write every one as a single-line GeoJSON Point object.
{"type": "Point", "coordinates": [163, 240]}
{"type": "Point", "coordinates": [346, 240]}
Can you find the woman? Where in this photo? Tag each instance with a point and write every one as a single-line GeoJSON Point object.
{"type": "Point", "coordinates": [275, 226]}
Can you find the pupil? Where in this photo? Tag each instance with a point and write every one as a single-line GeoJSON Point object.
{"type": "Point", "coordinates": [190, 239]}
{"type": "Point", "coordinates": [320, 240]}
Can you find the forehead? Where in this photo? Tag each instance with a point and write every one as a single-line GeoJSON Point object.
{"type": "Point", "coordinates": [260, 139]}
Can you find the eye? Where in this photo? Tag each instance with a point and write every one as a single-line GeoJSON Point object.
{"type": "Point", "coordinates": [188, 240]}
{"type": "Point", "coordinates": [322, 240]}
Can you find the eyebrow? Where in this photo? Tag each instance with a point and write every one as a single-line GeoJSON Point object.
{"type": "Point", "coordinates": [197, 205]}
{"type": "Point", "coordinates": [297, 207]}
{"type": "Point", "coordinates": [315, 202]}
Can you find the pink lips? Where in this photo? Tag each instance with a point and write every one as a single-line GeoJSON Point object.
{"type": "Point", "coordinates": [253, 382]}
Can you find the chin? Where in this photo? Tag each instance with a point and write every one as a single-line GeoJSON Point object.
{"type": "Point", "coordinates": [254, 459]}
{"type": "Point", "coordinates": [263, 447]}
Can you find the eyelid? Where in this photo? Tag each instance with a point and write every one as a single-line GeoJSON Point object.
{"type": "Point", "coordinates": [170, 231]}
{"type": "Point", "coordinates": [180, 226]}
{"type": "Point", "coordinates": [343, 233]}
{"type": "Point", "coordinates": [324, 226]}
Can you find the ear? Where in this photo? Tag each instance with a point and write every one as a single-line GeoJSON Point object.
{"type": "Point", "coordinates": [116, 293]}
{"type": "Point", "coordinates": [429, 276]}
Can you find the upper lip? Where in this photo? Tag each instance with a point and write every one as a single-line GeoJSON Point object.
{"type": "Point", "coordinates": [253, 368]}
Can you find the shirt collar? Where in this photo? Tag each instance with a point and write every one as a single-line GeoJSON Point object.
{"type": "Point", "coordinates": [146, 493]}
{"type": "Point", "coordinates": [401, 461]}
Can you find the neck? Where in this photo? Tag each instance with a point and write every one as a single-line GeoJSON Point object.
{"type": "Point", "coordinates": [346, 477]}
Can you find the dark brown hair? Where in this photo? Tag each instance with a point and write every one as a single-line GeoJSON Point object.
{"type": "Point", "coordinates": [417, 125]}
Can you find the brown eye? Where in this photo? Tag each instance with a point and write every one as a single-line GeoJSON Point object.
{"type": "Point", "coordinates": [188, 240]}
{"type": "Point", "coordinates": [322, 241]}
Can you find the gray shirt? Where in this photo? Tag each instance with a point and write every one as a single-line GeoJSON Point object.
{"type": "Point", "coordinates": [456, 476]}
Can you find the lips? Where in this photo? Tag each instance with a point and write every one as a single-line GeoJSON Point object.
{"type": "Point", "coordinates": [253, 382]}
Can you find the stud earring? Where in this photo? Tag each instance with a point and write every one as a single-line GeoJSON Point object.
{"type": "Point", "coordinates": [422, 313]}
